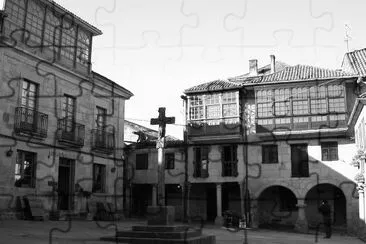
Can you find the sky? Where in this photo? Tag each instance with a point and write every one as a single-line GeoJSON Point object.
{"type": "Point", "coordinates": [158, 48]}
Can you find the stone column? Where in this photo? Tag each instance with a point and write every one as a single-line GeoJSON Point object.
{"type": "Point", "coordinates": [254, 213]}
{"type": "Point", "coordinates": [361, 202]}
{"type": "Point", "coordinates": [154, 195]}
{"type": "Point", "coordinates": [219, 219]}
{"type": "Point", "coordinates": [301, 224]}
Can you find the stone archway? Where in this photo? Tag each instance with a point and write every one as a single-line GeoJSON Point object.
{"type": "Point", "coordinates": [276, 207]}
{"type": "Point", "coordinates": [335, 197]}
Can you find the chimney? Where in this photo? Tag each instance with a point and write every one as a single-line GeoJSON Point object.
{"type": "Point", "coordinates": [253, 67]}
{"type": "Point", "coordinates": [273, 64]}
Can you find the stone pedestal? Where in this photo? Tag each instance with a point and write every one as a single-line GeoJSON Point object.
{"type": "Point", "coordinates": [161, 229]}
{"type": "Point", "coordinates": [160, 215]}
{"type": "Point", "coordinates": [301, 224]}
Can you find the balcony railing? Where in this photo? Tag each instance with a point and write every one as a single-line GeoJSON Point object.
{"type": "Point", "coordinates": [69, 132]}
{"type": "Point", "coordinates": [212, 127]}
{"type": "Point", "coordinates": [30, 122]}
{"type": "Point", "coordinates": [102, 141]}
{"type": "Point", "coordinates": [230, 169]}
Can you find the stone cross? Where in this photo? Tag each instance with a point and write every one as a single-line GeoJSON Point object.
{"type": "Point", "coordinates": [162, 121]}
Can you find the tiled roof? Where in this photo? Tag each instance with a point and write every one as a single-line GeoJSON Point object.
{"type": "Point", "coordinates": [151, 135]}
{"type": "Point", "coordinates": [217, 85]}
{"type": "Point", "coordinates": [357, 61]}
{"type": "Point", "coordinates": [265, 70]}
{"type": "Point", "coordinates": [294, 73]}
{"type": "Point", "coordinates": [283, 74]}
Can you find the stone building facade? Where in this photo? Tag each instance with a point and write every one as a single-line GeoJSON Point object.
{"type": "Point", "coordinates": [355, 62]}
{"type": "Point", "coordinates": [62, 124]}
{"type": "Point", "coordinates": [141, 167]}
{"type": "Point", "coordinates": [272, 144]}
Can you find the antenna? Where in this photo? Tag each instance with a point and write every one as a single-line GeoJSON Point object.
{"type": "Point", "coordinates": [347, 37]}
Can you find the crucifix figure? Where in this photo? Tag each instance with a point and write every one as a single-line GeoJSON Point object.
{"type": "Point", "coordinates": [162, 121]}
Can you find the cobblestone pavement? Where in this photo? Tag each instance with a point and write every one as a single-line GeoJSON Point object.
{"type": "Point", "coordinates": [87, 232]}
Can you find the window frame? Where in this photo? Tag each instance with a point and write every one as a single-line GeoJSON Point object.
{"type": "Point", "coordinates": [230, 164]}
{"type": "Point", "coordinates": [144, 164]}
{"type": "Point", "coordinates": [19, 169]}
{"type": "Point", "coordinates": [102, 171]}
{"type": "Point", "coordinates": [201, 161]}
{"type": "Point", "coordinates": [199, 107]}
{"type": "Point", "coordinates": [316, 101]}
{"type": "Point", "coordinates": [169, 160]}
{"type": "Point", "coordinates": [329, 146]}
{"type": "Point", "coordinates": [273, 149]}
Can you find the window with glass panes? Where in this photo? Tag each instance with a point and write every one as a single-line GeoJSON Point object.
{"type": "Point", "coordinates": [101, 118]}
{"type": "Point", "coordinates": [68, 40]}
{"type": "Point", "coordinates": [329, 151]}
{"type": "Point", "coordinates": [25, 169]}
{"type": "Point", "coordinates": [282, 102]}
{"type": "Point", "coordinates": [52, 30]}
{"type": "Point", "coordinates": [83, 47]}
{"type": "Point", "coordinates": [318, 99]}
{"type": "Point", "coordinates": [196, 107]}
{"type": "Point", "coordinates": [16, 11]}
{"type": "Point", "coordinates": [29, 95]}
{"type": "Point", "coordinates": [214, 107]}
{"type": "Point", "coordinates": [300, 100]}
{"type": "Point", "coordinates": [68, 111]}
{"type": "Point", "coordinates": [264, 104]}
{"type": "Point", "coordinates": [320, 103]}
{"type": "Point", "coordinates": [34, 23]}
{"type": "Point", "coordinates": [229, 104]}
{"type": "Point", "coordinates": [212, 103]}
{"type": "Point", "coordinates": [336, 99]}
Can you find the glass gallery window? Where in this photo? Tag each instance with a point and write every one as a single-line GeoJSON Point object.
{"type": "Point", "coordinates": [215, 107]}
{"type": "Point", "coordinates": [319, 103]}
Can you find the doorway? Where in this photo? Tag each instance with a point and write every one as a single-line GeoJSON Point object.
{"type": "Point", "coordinates": [66, 183]}
{"type": "Point", "coordinates": [211, 203]}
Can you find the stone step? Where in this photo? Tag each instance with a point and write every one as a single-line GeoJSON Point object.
{"type": "Point", "coordinates": [160, 235]}
{"type": "Point", "coordinates": [194, 240]}
{"type": "Point", "coordinates": [161, 228]}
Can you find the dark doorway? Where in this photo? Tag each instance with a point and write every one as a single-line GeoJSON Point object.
{"type": "Point", "coordinates": [277, 208]}
{"type": "Point", "coordinates": [66, 184]}
{"type": "Point", "coordinates": [211, 203]}
{"type": "Point", "coordinates": [299, 160]}
{"type": "Point", "coordinates": [335, 198]}
{"type": "Point", "coordinates": [142, 198]}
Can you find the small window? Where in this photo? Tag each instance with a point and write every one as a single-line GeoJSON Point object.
{"type": "Point", "coordinates": [269, 154]}
{"type": "Point", "coordinates": [169, 160]}
{"type": "Point", "coordinates": [98, 178]}
{"type": "Point", "coordinates": [142, 161]}
{"type": "Point", "coordinates": [329, 151]}
{"type": "Point", "coordinates": [25, 169]}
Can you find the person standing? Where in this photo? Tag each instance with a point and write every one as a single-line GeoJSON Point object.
{"type": "Point", "coordinates": [325, 210]}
